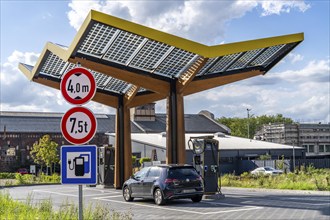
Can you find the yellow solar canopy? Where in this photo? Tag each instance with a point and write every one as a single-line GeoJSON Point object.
{"type": "Point", "coordinates": [126, 58]}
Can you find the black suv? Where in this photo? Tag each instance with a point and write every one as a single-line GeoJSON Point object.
{"type": "Point", "coordinates": [165, 182]}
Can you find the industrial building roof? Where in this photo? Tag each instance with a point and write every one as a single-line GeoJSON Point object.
{"type": "Point", "coordinates": [226, 142]}
{"type": "Point", "coordinates": [50, 123]}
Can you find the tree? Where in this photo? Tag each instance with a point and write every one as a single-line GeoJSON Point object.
{"type": "Point", "coordinates": [238, 126]}
{"type": "Point", "coordinates": [44, 152]}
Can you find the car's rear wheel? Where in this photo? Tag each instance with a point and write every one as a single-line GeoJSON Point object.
{"type": "Point", "coordinates": [197, 198]}
{"type": "Point", "coordinates": [127, 194]}
{"type": "Point", "coordinates": [158, 197]}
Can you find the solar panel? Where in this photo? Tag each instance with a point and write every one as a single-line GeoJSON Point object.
{"type": "Point", "coordinates": [55, 67]}
{"type": "Point", "coordinates": [223, 62]}
{"type": "Point", "coordinates": [149, 55]}
{"type": "Point", "coordinates": [117, 86]}
{"type": "Point", "coordinates": [52, 66]}
{"type": "Point", "coordinates": [270, 51]}
{"type": "Point", "coordinates": [123, 47]}
{"type": "Point", "coordinates": [208, 64]}
{"type": "Point", "coordinates": [97, 39]}
{"type": "Point", "coordinates": [283, 50]}
{"type": "Point", "coordinates": [244, 59]}
{"type": "Point", "coordinates": [175, 62]}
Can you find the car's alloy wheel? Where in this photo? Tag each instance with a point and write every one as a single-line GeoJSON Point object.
{"type": "Point", "coordinates": [158, 197]}
{"type": "Point", "coordinates": [127, 194]}
{"type": "Point", "coordinates": [197, 198]}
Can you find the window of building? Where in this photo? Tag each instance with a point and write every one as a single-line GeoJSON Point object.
{"type": "Point", "coordinates": [327, 148]}
{"type": "Point", "coordinates": [321, 148]}
{"type": "Point", "coordinates": [310, 148]}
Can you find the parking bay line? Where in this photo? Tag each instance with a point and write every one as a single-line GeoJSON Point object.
{"type": "Point", "coordinates": [73, 195]}
{"type": "Point", "coordinates": [51, 192]}
{"type": "Point", "coordinates": [283, 200]}
{"type": "Point", "coordinates": [178, 210]}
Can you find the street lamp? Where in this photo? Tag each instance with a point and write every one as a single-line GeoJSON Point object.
{"type": "Point", "coordinates": [293, 156]}
{"type": "Point", "coordinates": [248, 121]}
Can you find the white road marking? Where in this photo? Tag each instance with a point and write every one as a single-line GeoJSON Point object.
{"type": "Point", "coordinates": [57, 193]}
{"type": "Point", "coordinates": [283, 200]}
{"type": "Point", "coordinates": [181, 210]}
{"type": "Point", "coordinates": [102, 190]}
{"type": "Point", "coordinates": [312, 199]}
{"type": "Point", "coordinates": [74, 195]}
{"type": "Point", "coordinates": [104, 197]}
{"type": "Point", "coordinates": [221, 203]}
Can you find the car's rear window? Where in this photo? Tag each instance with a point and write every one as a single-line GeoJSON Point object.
{"type": "Point", "coordinates": [182, 172]}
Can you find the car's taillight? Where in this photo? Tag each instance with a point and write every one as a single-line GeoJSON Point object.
{"type": "Point", "coordinates": [168, 180]}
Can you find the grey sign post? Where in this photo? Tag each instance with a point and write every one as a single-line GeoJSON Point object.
{"type": "Point", "coordinates": [79, 166]}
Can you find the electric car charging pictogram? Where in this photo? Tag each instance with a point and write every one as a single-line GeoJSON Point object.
{"type": "Point", "coordinates": [78, 164]}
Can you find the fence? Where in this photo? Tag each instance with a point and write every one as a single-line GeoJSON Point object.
{"type": "Point", "coordinates": [240, 166]}
{"type": "Point", "coordinates": [288, 164]}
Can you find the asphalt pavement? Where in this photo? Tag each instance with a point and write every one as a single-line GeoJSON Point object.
{"type": "Point", "coordinates": [238, 203]}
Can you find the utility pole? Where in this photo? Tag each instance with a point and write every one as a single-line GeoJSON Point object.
{"type": "Point", "coordinates": [248, 121]}
{"type": "Point", "coordinates": [293, 156]}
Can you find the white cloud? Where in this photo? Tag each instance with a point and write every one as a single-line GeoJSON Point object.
{"type": "Point", "coordinates": [314, 71]}
{"type": "Point", "coordinates": [202, 21]}
{"type": "Point", "coordinates": [18, 94]}
{"type": "Point", "coordinates": [299, 94]}
{"type": "Point", "coordinates": [295, 57]}
{"type": "Point", "coordinates": [283, 6]}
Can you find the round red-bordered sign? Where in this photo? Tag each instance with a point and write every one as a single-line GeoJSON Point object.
{"type": "Point", "coordinates": [78, 125]}
{"type": "Point", "coordinates": [78, 86]}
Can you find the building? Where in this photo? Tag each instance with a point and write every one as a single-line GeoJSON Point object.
{"type": "Point", "coordinates": [315, 138]}
{"type": "Point", "coordinates": [20, 130]}
{"type": "Point", "coordinates": [234, 151]}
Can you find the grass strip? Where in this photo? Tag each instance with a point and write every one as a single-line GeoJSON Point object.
{"type": "Point", "coordinates": [15, 210]}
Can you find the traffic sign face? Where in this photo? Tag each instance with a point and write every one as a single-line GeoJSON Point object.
{"type": "Point", "coordinates": [79, 164]}
{"type": "Point", "coordinates": [78, 86]}
{"type": "Point", "coordinates": [78, 125]}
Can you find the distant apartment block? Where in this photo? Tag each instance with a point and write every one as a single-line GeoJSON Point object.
{"type": "Point", "coordinates": [315, 138]}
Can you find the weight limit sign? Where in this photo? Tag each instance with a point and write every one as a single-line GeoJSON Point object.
{"type": "Point", "coordinates": [78, 125]}
{"type": "Point", "coordinates": [78, 86]}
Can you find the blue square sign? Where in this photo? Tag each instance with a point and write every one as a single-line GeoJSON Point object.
{"type": "Point", "coordinates": [79, 164]}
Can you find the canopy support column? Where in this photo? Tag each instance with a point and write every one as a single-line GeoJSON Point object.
{"type": "Point", "coordinates": [123, 151]}
{"type": "Point", "coordinates": [175, 130]}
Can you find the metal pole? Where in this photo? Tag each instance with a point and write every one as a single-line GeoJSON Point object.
{"type": "Point", "coordinates": [294, 162]}
{"type": "Point", "coordinates": [80, 206]}
{"type": "Point", "coordinates": [248, 121]}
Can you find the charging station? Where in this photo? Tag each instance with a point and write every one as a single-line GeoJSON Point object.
{"type": "Point", "coordinates": [205, 159]}
{"type": "Point", "coordinates": [106, 167]}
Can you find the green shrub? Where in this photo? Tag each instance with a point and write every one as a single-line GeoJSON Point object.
{"type": "Point", "coordinates": [7, 175]}
{"type": "Point", "coordinates": [55, 178]}
{"type": "Point", "coordinates": [306, 179]}
{"type": "Point", "coordinates": [133, 159]}
{"type": "Point", "coordinates": [144, 159]}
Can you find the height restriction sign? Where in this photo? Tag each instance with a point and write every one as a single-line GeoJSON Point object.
{"type": "Point", "coordinates": [78, 86]}
{"type": "Point", "coordinates": [78, 125]}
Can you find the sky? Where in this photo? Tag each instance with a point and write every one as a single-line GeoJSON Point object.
{"type": "Point", "coordinates": [298, 87]}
